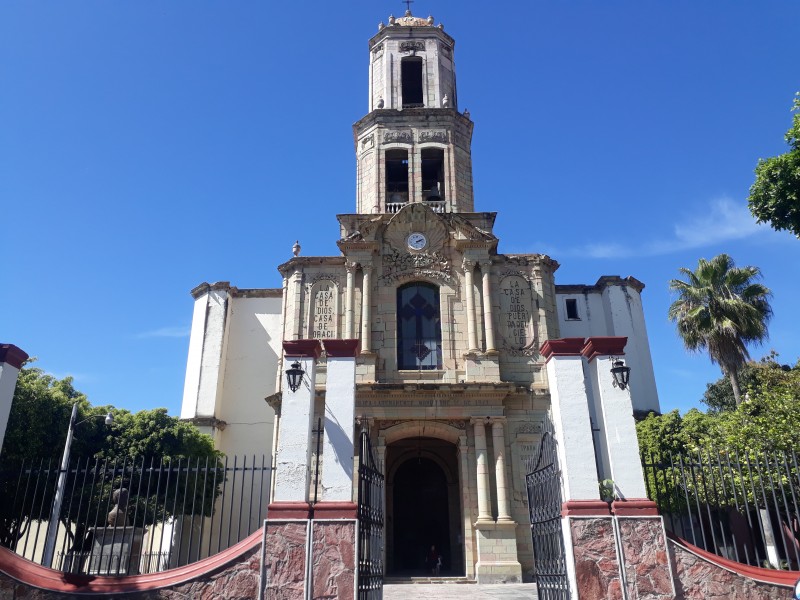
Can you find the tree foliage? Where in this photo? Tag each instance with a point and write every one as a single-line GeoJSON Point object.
{"type": "Point", "coordinates": [720, 308]}
{"type": "Point", "coordinates": [111, 457]}
{"type": "Point", "coordinates": [753, 375]}
{"type": "Point", "coordinates": [775, 195]}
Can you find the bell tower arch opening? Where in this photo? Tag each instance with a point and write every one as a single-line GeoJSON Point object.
{"type": "Point", "coordinates": [423, 507]}
{"type": "Point", "coordinates": [411, 81]}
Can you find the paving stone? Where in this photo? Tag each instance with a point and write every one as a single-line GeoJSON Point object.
{"type": "Point", "coordinates": [459, 591]}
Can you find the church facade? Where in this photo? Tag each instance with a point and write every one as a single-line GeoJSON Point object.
{"type": "Point", "coordinates": [450, 383]}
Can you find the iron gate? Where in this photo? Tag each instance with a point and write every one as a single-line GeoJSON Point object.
{"type": "Point", "coordinates": [544, 503]}
{"type": "Point", "coordinates": [370, 524]}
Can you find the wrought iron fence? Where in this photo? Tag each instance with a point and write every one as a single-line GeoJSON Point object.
{"type": "Point", "coordinates": [743, 507]}
{"type": "Point", "coordinates": [370, 523]}
{"type": "Point", "coordinates": [132, 516]}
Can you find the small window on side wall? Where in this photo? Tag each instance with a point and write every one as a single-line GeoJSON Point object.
{"type": "Point", "coordinates": [572, 309]}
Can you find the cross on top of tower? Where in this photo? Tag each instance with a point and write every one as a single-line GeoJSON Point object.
{"type": "Point", "coordinates": [408, 4]}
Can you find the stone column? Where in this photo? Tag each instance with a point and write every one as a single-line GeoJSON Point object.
{"type": "Point", "coordinates": [499, 446]}
{"type": "Point", "coordinates": [366, 310]}
{"type": "Point", "coordinates": [338, 444]}
{"type": "Point", "coordinates": [11, 359]}
{"type": "Point", "coordinates": [350, 267]}
{"type": "Point", "coordinates": [293, 456]}
{"type": "Point", "coordinates": [297, 296]}
{"type": "Point", "coordinates": [472, 338]}
{"type": "Point", "coordinates": [482, 469]}
{"type": "Point", "coordinates": [488, 321]}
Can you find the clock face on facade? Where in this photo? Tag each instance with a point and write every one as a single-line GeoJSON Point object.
{"type": "Point", "coordinates": [417, 241]}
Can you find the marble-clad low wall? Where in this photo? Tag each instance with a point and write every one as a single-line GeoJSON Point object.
{"type": "Point", "coordinates": [333, 559]}
{"type": "Point", "coordinates": [596, 564]}
{"type": "Point", "coordinates": [285, 560]}
{"type": "Point", "coordinates": [644, 554]}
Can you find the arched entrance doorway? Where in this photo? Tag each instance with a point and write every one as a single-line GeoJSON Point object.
{"type": "Point", "coordinates": [423, 506]}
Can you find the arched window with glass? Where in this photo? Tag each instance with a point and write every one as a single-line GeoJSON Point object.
{"type": "Point", "coordinates": [419, 328]}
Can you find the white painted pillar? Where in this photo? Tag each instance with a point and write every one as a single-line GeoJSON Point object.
{"type": "Point", "coordinates": [488, 321]}
{"type": "Point", "coordinates": [482, 469]}
{"type": "Point", "coordinates": [205, 366]}
{"type": "Point", "coordinates": [293, 456]}
{"type": "Point", "coordinates": [350, 267]}
{"type": "Point", "coordinates": [499, 447]}
{"type": "Point", "coordinates": [469, 293]}
{"type": "Point", "coordinates": [338, 443]}
{"type": "Point", "coordinates": [618, 422]}
{"type": "Point", "coordinates": [573, 429]}
{"type": "Point", "coordinates": [11, 359]}
{"type": "Point", "coordinates": [366, 310]}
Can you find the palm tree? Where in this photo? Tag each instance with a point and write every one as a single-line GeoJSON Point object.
{"type": "Point", "coordinates": [721, 308]}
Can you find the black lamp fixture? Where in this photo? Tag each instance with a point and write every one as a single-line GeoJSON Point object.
{"type": "Point", "coordinates": [621, 373]}
{"type": "Point", "coordinates": [294, 376]}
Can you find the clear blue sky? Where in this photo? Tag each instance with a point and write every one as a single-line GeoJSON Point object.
{"type": "Point", "coordinates": [146, 147]}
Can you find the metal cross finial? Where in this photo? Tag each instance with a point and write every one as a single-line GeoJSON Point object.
{"type": "Point", "coordinates": [408, 4]}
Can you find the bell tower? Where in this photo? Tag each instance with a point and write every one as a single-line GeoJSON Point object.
{"type": "Point", "coordinates": [414, 144]}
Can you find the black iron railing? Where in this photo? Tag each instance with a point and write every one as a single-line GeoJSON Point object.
{"type": "Point", "coordinates": [171, 512]}
{"type": "Point", "coordinates": [370, 523]}
{"type": "Point", "coordinates": [743, 507]}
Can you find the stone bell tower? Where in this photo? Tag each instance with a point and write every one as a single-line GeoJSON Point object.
{"type": "Point", "coordinates": [414, 145]}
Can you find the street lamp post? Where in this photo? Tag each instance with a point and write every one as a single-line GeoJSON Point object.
{"type": "Point", "coordinates": [52, 525]}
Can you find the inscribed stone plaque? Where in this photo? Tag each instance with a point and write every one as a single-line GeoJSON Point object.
{"type": "Point", "coordinates": [516, 313]}
{"type": "Point", "coordinates": [324, 317]}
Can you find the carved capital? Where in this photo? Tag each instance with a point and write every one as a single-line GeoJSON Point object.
{"type": "Point", "coordinates": [478, 420]}
{"type": "Point", "coordinates": [468, 264]}
{"type": "Point", "coordinates": [350, 267]}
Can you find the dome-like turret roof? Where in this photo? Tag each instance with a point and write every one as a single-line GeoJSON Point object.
{"type": "Point", "coordinates": [409, 20]}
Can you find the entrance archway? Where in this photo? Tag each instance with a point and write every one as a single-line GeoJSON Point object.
{"type": "Point", "coordinates": [423, 507]}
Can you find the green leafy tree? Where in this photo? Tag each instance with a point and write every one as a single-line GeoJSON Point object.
{"type": "Point", "coordinates": [110, 457]}
{"type": "Point", "coordinates": [775, 195]}
{"type": "Point", "coordinates": [720, 308]}
{"type": "Point", "coordinates": [753, 375]}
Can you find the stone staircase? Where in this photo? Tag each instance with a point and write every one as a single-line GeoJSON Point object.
{"type": "Point", "coordinates": [454, 588]}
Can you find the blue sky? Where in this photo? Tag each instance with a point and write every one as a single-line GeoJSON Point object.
{"type": "Point", "coordinates": [146, 147]}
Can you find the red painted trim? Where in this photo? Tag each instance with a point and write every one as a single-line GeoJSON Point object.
{"type": "Point", "coordinates": [288, 510]}
{"type": "Point", "coordinates": [335, 510]}
{"type": "Point", "coordinates": [562, 347]}
{"type": "Point", "coordinates": [12, 355]}
{"type": "Point", "coordinates": [41, 577]}
{"type": "Point", "coordinates": [634, 507]}
{"type": "Point", "coordinates": [342, 348]}
{"type": "Point", "coordinates": [301, 348]}
{"type": "Point", "coordinates": [604, 346]}
{"type": "Point", "coordinates": [774, 576]}
{"type": "Point", "coordinates": [585, 508]}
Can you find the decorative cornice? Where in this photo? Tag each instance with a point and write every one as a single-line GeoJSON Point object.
{"type": "Point", "coordinates": [208, 422]}
{"type": "Point", "coordinates": [12, 355]}
{"type": "Point", "coordinates": [206, 287]}
{"type": "Point", "coordinates": [302, 348]}
{"type": "Point", "coordinates": [562, 347]}
{"type": "Point", "coordinates": [604, 346]}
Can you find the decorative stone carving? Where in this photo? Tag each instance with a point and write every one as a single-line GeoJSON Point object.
{"type": "Point", "coordinates": [412, 46]}
{"type": "Point", "coordinates": [433, 136]}
{"type": "Point", "coordinates": [416, 217]}
{"type": "Point", "coordinates": [517, 323]}
{"type": "Point", "coordinates": [400, 137]}
{"type": "Point", "coordinates": [528, 427]}
{"type": "Point", "coordinates": [369, 141]}
{"type": "Point", "coordinates": [398, 266]}
{"type": "Point", "coordinates": [274, 401]}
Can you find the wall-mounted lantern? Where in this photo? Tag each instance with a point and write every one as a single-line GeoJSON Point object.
{"type": "Point", "coordinates": [294, 376]}
{"type": "Point", "coordinates": [621, 374]}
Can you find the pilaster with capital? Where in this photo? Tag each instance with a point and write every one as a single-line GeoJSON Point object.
{"type": "Point", "coordinates": [472, 338]}
{"type": "Point", "coordinates": [488, 321]}
{"type": "Point", "coordinates": [350, 267]}
{"type": "Point", "coordinates": [499, 447]}
{"type": "Point", "coordinates": [482, 469]}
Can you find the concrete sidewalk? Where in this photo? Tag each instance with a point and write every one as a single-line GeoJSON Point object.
{"type": "Point", "coordinates": [459, 591]}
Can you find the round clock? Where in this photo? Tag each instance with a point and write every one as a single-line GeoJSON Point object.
{"type": "Point", "coordinates": [417, 241]}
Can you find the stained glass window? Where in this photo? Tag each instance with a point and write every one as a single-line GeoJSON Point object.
{"type": "Point", "coordinates": [419, 329]}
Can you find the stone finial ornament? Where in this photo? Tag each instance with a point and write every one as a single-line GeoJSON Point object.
{"type": "Point", "coordinates": [381, 25]}
{"type": "Point", "coordinates": [380, 102]}
{"type": "Point", "coordinates": [430, 20]}
{"type": "Point", "coordinates": [116, 518]}
{"type": "Point", "coordinates": [391, 19]}
{"type": "Point", "coordinates": [445, 101]}
{"type": "Point", "coordinates": [296, 248]}
{"type": "Point", "coordinates": [466, 113]}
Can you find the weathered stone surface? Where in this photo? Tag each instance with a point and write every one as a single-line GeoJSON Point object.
{"type": "Point", "coordinates": [644, 551]}
{"type": "Point", "coordinates": [333, 560]}
{"type": "Point", "coordinates": [596, 564]}
{"type": "Point", "coordinates": [698, 578]}
{"type": "Point", "coordinates": [285, 560]}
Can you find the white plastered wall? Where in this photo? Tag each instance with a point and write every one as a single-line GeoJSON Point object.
{"type": "Point", "coordinates": [616, 310]}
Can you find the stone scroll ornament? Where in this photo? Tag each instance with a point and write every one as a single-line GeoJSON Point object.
{"type": "Point", "coordinates": [517, 325]}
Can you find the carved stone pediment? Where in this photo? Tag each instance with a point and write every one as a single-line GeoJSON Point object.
{"type": "Point", "coordinates": [416, 217]}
